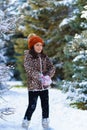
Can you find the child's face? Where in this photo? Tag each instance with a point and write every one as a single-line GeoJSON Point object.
{"type": "Point", "coordinates": [38, 47]}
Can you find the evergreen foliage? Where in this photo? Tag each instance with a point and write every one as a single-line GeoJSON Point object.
{"type": "Point", "coordinates": [76, 52]}
{"type": "Point", "coordinates": [57, 23]}
{"type": "Point", "coordinates": [76, 69]}
{"type": "Point", "coordinates": [63, 26]}
{"type": "Point", "coordinates": [44, 19]}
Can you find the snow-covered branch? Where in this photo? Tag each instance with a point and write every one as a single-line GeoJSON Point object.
{"type": "Point", "coordinates": [84, 12]}
{"type": "Point", "coordinates": [8, 25]}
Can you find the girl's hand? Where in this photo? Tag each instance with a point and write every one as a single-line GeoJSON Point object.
{"type": "Point", "coordinates": [46, 80]}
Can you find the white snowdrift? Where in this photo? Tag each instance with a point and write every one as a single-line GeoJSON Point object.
{"type": "Point", "coordinates": [62, 117]}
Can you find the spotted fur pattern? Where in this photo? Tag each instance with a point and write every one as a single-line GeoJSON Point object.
{"type": "Point", "coordinates": [33, 69]}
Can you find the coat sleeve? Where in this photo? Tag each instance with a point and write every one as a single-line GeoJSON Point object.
{"type": "Point", "coordinates": [50, 69]}
{"type": "Point", "coordinates": [28, 65]}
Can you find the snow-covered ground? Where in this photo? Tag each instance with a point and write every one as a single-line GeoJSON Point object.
{"type": "Point", "coordinates": [62, 117]}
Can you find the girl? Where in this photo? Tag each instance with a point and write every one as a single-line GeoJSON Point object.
{"type": "Point", "coordinates": [39, 71]}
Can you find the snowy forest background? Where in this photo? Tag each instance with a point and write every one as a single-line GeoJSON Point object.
{"type": "Point", "coordinates": [63, 26]}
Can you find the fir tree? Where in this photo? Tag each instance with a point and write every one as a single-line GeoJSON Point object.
{"type": "Point", "coordinates": [43, 19]}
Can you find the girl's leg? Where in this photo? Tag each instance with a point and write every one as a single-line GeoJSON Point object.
{"type": "Point", "coordinates": [44, 96]}
{"type": "Point", "coordinates": [32, 104]}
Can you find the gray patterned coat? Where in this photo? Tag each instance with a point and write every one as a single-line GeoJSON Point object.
{"type": "Point", "coordinates": [34, 67]}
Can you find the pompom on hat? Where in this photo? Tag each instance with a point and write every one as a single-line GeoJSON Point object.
{"type": "Point", "coordinates": [33, 39]}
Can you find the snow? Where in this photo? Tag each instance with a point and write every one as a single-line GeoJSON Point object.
{"type": "Point", "coordinates": [64, 2]}
{"type": "Point", "coordinates": [62, 116]}
{"type": "Point", "coordinates": [79, 57]}
{"type": "Point", "coordinates": [84, 13]}
{"type": "Point", "coordinates": [14, 83]}
{"type": "Point", "coordinates": [21, 28]}
{"type": "Point", "coordinates": [66, 21]}
{"type": "Point", "coordinates": [13, 1]}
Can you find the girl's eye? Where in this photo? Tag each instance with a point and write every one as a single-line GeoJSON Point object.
{"type": "Point", "coordinates": [39, 45]}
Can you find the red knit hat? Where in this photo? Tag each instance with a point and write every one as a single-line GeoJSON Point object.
{"type": "Point", "coordinates": [33, 40]}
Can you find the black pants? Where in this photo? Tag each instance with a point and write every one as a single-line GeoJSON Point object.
{"type": "Point", "coordinates": [33, 96]}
